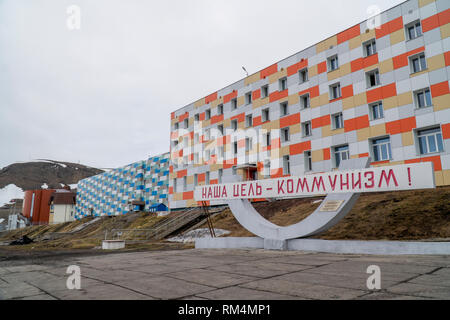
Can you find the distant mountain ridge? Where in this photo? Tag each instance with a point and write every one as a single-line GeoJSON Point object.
{"type": "Point", "coordinates": [54, 174]}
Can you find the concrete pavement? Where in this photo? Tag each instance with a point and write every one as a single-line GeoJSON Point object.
{"type": "Point", "coordinates": [228, 274]}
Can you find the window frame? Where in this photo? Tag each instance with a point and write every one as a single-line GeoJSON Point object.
{"type": "Point", "coordinates": [371, 110]}
{"type": "Point", "coordinates": [286, 165]}
{"type": "Point", "coordinates": [417, 100]}
{"type": "Point", "coordinates": [379, 152]}
{"type": "Point", "coordinates": [373, 44]}
{"type": "Point", "coordinates": [282, 81]}
{"type": "Point", "coordinates": [307, 157]}
{"type": "Point", "coordinates": [249, 121]}
{"type": "Point", "coordinates": [302, 105]}
{"type": "Point", "coordinates": [284, 106]}
{"type": "Point", "coordinates": [376, 73]}
{"type": "Point", "coordinates": [330, 63]}
{"type": "Point", "coordinates": [300, 73]}
{"type": "Point", "coordinates": [418, 57]}
{"type": "Point", "coordinates": [248, 98]}
{"type": "Point", "coordinates": [335, 85]}
{"type": "Point", "coordinates": [333, 122]}
{"type": "Point", "coordinates": [283, 134]}
{"type": "Point", "coordinates": [410, 25]}
{"type": "Point", "coordinates": [304, 124]}
{"type": "Point", "coordinates": [265, 91]}
{"type": "Point", "coordinates": [427, 135]}
{"type": "Point", "coordinates": [234, 104]}
{"type": "Point", "coordinates": [340, 152]}
{"type": "Point", "coordinates": [220, 109]}
{"type": "Point", "coordinates": [265, 115]}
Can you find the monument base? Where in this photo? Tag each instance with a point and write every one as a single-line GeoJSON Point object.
{"type": "Point", "coordinates": [330, 246]}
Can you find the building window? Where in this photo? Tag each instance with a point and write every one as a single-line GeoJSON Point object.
{"type": "Point", "coordinates": [185, 161]}
{"type": "Point", "coordinates": [308, 161]}
{"type": "Point", "coordinates": [207, 134]}
{"type": "Point", "coordinates": [220, 129]}
{"type": "Point", "coordinates": [303, 75]}
{"type": "Point", "coordinates": [248, 144]}
{"type": "Point", "coordinates": [207, 155]}
{"type": "Point", "coordinates": [207, 178]}
{"type": "Point", "coordinates": [175, 185]}
{"type": "Point", "coordinates": [284, 109]}
{"type": "Point", "coordinates": [234, 170]}
{"type": "Point", "coordinates": [306, 128]}
{"type": "Point", "coordinates": [221, 152]}
{"type": "Point", "coordinates": [381, 149]}
{"type": "Point", "coordinates": [373, 78]}
{"type": "Point", "coordinates": [196, 160]}
{"type": "Point", "coordinates": [265, 115]}
{"type": "Point", "coordinates": [341, 154]}
{"type": "Point", "coordinates": [423, 98]}
{"type": "Point", "coordinates": [376, 110]}
{"type": "Point", "coordinates": [430, 140]}
{"type": "Point", "coordinates": [286, 166]}
{"type": "Point", "coordinates": [186, 123]}
{"type": "Point", "coordinates": [184, 183]}
{"type": "Point", "coordinates": [234, 104]}
{"type": "Point", "coordinates": [249, 120]}
{"type": "Point", "coordinates": [268, 141]}
{"type": "Point", "coordinates": [338, 121]}
{"type": "Point", "coordinates": [413, 30]}
{"type": "Point", "coordinates": [285, 134]}
{"type": "Point", "coordinates": [234, 124]}
{"type": "Point", "coordinates": [196, 138]}
{"type": "Point", "coordinates": [195, 180]}
{"type": "Point", "coordinates": [208, 114]}
{"type": "Point", "coordinates": [197, 117]}
{"type": "Point", "coordinates": [418, 63]}
{"type": "Point", "coordinates": [305, 101]}
{"type": "Point", "coordinates": [283, 84]}
{"type": "Point", "coordinates": [370, 48]}
{"type": "Point", "coordinates": [235, 147]}
{"type": "Point", "coordinates": [176, 126]}
{"type": "Point", "coordinates": [220, 175]}
{"type": "Point", "coordinates": [220, 109]}
{"type": "Point", "coordinates": [335, 91]}
{"type": "Point", "coordinates": [333, 63]}
{"type": "Point", "coordinates": [265, 91]}
{"type": "Point", "coordinates": [248, 98]}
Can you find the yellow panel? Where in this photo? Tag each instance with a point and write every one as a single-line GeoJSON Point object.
{"type": "Point", "coordinates": [315, 102]}
{"type": "Point", "coordinates": [278, 75]}
{"type": "Point", "coordinates": [324, 99]}
{"type": "Point", "coordinates": [325, 45]}
{"type": "Point", "coordinates": [293, 99]}
{"type": "Point", "coordinates": [345, 69]}
{"type": "Point", "coordinates": [446, 175]}
{"type": "Point", "coordinates": [436, 62]}
{"type": "Point", "coordinates": [441, 102]}
{"type": "Point", "coordinates": [355, 42]}
{"type": "Point", "coordinates": [199, 103]}
{"type": "Point", "coordinates": [397, 36]}
{"type": "Point", "coordinates": [378, 130]}
{"type": "Point", "coordinates": [423, 3]}
{"type": "Point", "coordinates": [251, 79]}
{"type": "Point", "coordinates": [407, 139]}
{"type": "Point", "coordinates": [363, 134]}
{"type": "Point", "coordinates": [390, 103]}
{"type": "Point", "coordinates": [190, 179]}
{"type": "Point", "coordinates": [326, 131]}
{"type": "Point", "coordinates": [366, 36]}
{"type": "Point", "coordinates": [177, 196]}
{"type": "Point", "coordinates": [439, 178]}
{"type": "Point", "coordinates": [404, 98]}
{"type": "Point", "coordinates": [317, 155]}
{"type": "Point", "coordinates": [240, 101]}
{"type": "Point", "coordinates": [360, 99]}
{"type": "Point", "coordinates": [312, 71]}
{"type": "Point", "coordinates": [445, 31]}
{"type": "Point", "coordinates": [386, 66]}
{"type": "Point", "coordinates": [333, 75]}
{"type": "Point", "coordinates": [348, 103]}
{"type": "Point", "coordinates": [294, 129]}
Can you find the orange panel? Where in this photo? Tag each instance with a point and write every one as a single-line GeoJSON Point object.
{"type": "Point", "coordinates": [201, 177]}
{"type": "Point", "coordinates": [389, 27]}
{"type": "Point", "coordinates": [447, 58]}
{"type": "Point", "coordinates": [356, 123]}
{"type": "Point", "coordinates": [446, 131]}
{"type": "Point", "coordinates": [275, 143]}
{"type": "Point", "coordinates": [257, 121]}
{"type": "Point", "coordinates": [435, 159]}
{"type": "Point", "coordinates": [227, 98]}
{"type": "Point", "coordinates": [211, 98]}
{"type": "Point", "coordinates": [389, 90]}
{"type": "Point", "coordinates": [182, 173]}
{"type": "Point", "coordinates": [439, 89]}
{"type": "Point", "coordinates": [321, 121]}
{"type": "Point", "coordinates": [290, 120]}
{"type": "Point", "coordinates": [188, 195]}
{"type": "Point", "coordinates": [297, 66]}
{"type": "Point", "coordinates": [215, 119]}
{"type": "Point", "coordinates": [268, 71]}
{"type": "Point", "coordinates": [430, 23]}
{"type": "Point", "coordinates": [313, 92]}
{"type": "Point", "coordinates": [202, 116]}
{"type": "Point", "coordinates": [240, 117]}
{"type": "Point", "coordinates": [326, 154]}
{"type": "Point", "coordinates": [170, 190]}
{"type": "Point", "coordinates": [299, 148]}
{"type": "Point", "coordinates": [401, 61]}
{"type": "Point", "coordinates": [214, 181]}
{"type": "Point", "coordinates": [347, 91]}
{"type": "Point", "coordinates": [357, 64]}
{"type": "Point", "coordinates": [322, 67]}
{"type": "Point", "coordinates": [348, 34]}
{"type": "Point", "coordinates": [370, 60]}
{"type": "Point", "coordinates": [256, 94]}
{"type": "Point", "coordinates": [381, 93]}
{"type": "Point", "coordinates": [172, 116]}
{"type": "Point", "coordinates": [399, 126]}
{"type": "Point", "coordinates": [444, 17]}
{"type": "Point", "coordinates": [276, 173]}
{"type": "Point", "coordinates": [363, 155]}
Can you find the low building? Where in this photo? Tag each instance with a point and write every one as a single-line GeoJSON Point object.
{"type": "Point", "coordinates": [62, 206]}
{"type": "Point", "coordinates": [36, 205]}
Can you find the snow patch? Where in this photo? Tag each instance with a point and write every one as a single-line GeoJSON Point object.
{"type": "Point", "coordinates": [191, 236]}
{"type": "Point", "coordinates": [11, 191]}
{"type": "Point", "coordinates": [44, 186]}
{"type": "Point", "coordinates": [73, 186]}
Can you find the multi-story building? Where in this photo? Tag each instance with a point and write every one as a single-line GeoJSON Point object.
{"type": "Point", "coordinates": [375, 89]}
{"type": "Point", "coordinates": [138, 186]}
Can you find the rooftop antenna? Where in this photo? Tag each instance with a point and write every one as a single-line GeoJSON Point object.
{"type": "Point", "coordinates": [245, 71]}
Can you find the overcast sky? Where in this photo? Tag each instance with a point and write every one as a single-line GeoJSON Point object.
{"type": "Point", "coordinates": [102, 95]}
